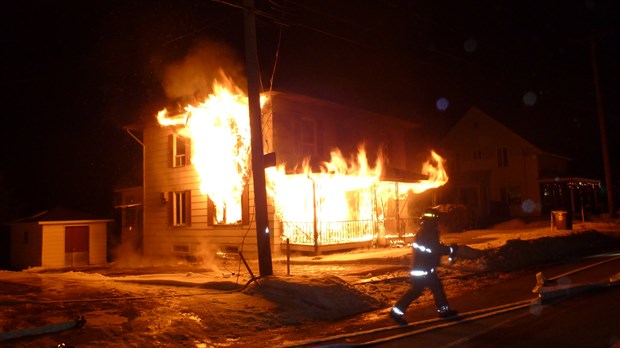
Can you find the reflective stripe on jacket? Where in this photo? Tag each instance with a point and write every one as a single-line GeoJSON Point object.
{"type": "Point", "coordinates": [427, 249]}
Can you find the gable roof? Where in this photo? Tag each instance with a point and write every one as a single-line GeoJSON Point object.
{"type": "Point", "coordinates": [302, 99]}
{"type": "Point", "coordinates": [475, 117]}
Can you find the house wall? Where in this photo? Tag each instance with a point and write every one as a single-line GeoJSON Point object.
{"type": "Point", "coordinates": [473, 147]}
{"type": "Point", "coordinates": [53, 246]}
{"type": "Point", "coordinates": [339, 127]}
{"type": "Point", "coordinates": [25, 251]}
{"type": "Point", "coordinates": [128, 202]}
{"type": "Point", "coordinates": [53, 253]}
{"type": "Point", "coordinates": [97, 243]}
{"type": "Point", "coordinates": [200, 239]}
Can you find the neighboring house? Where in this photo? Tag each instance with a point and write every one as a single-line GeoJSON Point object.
{"type": "Point", "coordinates": [181, 221]}
{"type": "Point", "coordinates": [497, 173]}
{"type": "Point", "coordinates": [58, 238]}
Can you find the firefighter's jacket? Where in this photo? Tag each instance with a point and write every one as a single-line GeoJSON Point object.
{"type": "Point", "coordinates": [427, 249]}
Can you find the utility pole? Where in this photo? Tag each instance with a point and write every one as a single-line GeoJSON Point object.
{"type": "Point", "coordinates": [258, 167]}
{"type": "Point", "coordinates": [603, 129]}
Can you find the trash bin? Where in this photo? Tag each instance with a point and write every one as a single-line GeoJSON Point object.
{"type": "Point", "coordinates": [562, 220]}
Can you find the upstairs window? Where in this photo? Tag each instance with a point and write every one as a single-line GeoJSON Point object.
{"type": "Point", "coordinates": [502, 157]}
{"type": "Point", "coordinates": [179, 149]}
{"type": "Point", "coordinates": [179, 208]}
{"type": "Point", "coordinates": [309, 137]}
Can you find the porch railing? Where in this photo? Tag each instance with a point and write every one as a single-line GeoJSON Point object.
{"type": "Point", "coordinates": [327, 233]}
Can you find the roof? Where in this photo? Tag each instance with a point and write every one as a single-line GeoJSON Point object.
{"type": "Point", "coordinates": [61, 214]}
{"type": "Point", "coordinates": [401, 175]}
{"type": "Point", "coordinates": [303, 99]}
{"type": "Point", "coordinates": [475, 114]}
{"type": "Point", "coordinates": [364, 113]}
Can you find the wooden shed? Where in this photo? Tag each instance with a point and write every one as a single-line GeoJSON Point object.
{"type": "Point", "coordinates": [58, 238]}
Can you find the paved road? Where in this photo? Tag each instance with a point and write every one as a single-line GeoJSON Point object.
{"type": "Point", "coordinates": [589, 319]}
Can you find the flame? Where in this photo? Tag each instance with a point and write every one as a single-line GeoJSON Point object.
{"type": "Point", "coordinates": [345, 199]}
{"type": "Point", "coordinates": [435, 171]}
{"type": "Point", "coordinates": [342, 192]}
{"type": "Point", "coordinates": [219, 129]}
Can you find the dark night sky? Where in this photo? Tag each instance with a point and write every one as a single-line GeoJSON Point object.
{"type": "Point", "coordinates": [75, 72]}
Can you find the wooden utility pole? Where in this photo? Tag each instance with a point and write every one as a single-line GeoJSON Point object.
{"type": "Point", "coordinates": [603, 129]}
{"type": "Point", "coordinates": [258, 167]}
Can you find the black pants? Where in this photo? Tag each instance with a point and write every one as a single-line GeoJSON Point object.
{"type": "Point", "coordinates": [418, 284]}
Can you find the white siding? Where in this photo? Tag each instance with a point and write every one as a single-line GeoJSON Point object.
{"type": "Point", "coordinates": [97, 241]}
{"type": "Point", "coordinates": [159, 177]}
{"type": "Point", "coordinates": [53, 246]}
{"type": "Point", "coordinates": [201, 239]}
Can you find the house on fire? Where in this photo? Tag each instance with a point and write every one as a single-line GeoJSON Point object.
{"type": "Point", "coordinates": [495, 172]}
{"type": "Point", "coordinates": [179, 220]}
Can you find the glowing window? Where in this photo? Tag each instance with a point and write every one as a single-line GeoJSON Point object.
{"type": "Point", "coordinates": [234, 212]}
{"type": "Point", "coordinates": [179, 150]}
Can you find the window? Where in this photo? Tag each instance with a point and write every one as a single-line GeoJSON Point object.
{"type": "Point", "coordinates": [456, 163]}
{"type": "Point", "coordinates": [234, 214]}
{"type": "Point", "coordinates": [179, 208]}
{"type": "Point", "coordinates": [308, 137]}
{"type": "Point", "coordinates": [477, 154]}
{"type": "Point", "coordinates": [179, 148]}
{"type": "Point", "coordinates": [502, 157]}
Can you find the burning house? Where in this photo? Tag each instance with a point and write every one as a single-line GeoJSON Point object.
{"type": "Point", "coordinates": [338, 180]}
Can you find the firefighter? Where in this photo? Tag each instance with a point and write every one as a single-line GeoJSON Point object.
{"type": "Point", "coordinates": [427, 252]}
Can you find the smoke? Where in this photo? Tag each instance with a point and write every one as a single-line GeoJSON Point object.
{"type": "Point", "coordinates": [191, 78]}
{"type": "Point", "coordinates": [201, 255]}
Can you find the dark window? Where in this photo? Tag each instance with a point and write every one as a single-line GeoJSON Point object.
{"type": "Point", "coordinates": [502, 157]}
{"type": "Point", "coordinates": [308, 136]}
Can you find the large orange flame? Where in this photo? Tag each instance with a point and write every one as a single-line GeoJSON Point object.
{"type": "Point", "coordinates": [345, 190]}
{"type": "Point", "coordinates": [219, 129]}
{"type": "Point", "coordinates": [342, 192]}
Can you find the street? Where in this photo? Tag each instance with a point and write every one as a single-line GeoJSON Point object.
{"type": "Point", "coordinates": [586, 319]}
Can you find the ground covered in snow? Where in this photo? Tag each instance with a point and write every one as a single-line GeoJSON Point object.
{"type": "Point", "coordinates": [219, 305]}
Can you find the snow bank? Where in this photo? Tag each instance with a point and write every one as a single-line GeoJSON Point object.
{"type": "Point", "coordinates": [324, 298]}
{"type": "Point", "coordinates": [517, 253]}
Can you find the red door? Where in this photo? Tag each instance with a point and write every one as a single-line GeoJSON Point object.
{"type": "Point", "coordinates": [76, 245]}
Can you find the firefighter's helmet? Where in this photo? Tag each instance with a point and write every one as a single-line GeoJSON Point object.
{"type": "Point", "coordinates": [430, 215]}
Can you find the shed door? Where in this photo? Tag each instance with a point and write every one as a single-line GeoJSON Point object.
{"type": "Point", "coordinates": [76, 245]}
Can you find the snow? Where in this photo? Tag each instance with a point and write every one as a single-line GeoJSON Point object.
{"type": "Point", "coordinates": [221, 305]}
